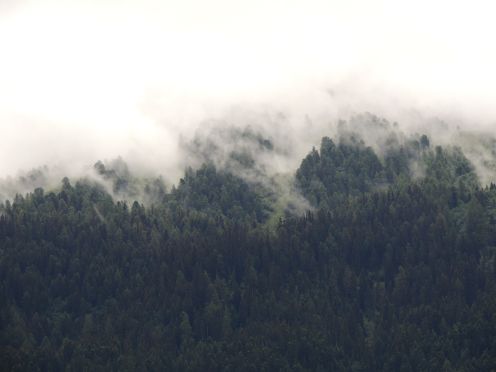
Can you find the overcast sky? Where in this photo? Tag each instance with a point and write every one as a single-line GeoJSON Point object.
{"type": "Point", "coordinates": [84, 80]}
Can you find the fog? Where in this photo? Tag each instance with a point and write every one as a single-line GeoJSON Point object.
{"type": "Point", "coordinates": [82, 81]}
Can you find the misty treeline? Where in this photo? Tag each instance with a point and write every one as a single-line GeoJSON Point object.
{"type": "Point", "coordinates": [372, 260]}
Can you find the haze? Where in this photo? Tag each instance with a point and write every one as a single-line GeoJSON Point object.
{"type": "Point", "coordinates": [88, 80]}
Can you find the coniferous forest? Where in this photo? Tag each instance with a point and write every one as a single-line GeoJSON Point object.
{"type": "Point", "coordinates": [389, 266]}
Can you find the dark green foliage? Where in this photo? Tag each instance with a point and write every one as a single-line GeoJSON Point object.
{"type": "Point", "coordinates": [337, 171]}
{"type": "Point", "coordinates": [394, 272]}
{"type": "Point", "coordinates": [218, 194]}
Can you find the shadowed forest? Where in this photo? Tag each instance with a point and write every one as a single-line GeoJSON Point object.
{"type": "Point", "coordinates": [371, 259]}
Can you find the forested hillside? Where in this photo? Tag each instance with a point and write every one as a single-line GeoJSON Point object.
{"type": "Point", "coordinates": [391, 268]}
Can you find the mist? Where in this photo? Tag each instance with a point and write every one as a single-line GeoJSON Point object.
{"type": "Point", "coordinates": [97, 80]}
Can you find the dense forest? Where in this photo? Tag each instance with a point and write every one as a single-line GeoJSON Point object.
{"type": "Point", "coordinates": [391, 267]}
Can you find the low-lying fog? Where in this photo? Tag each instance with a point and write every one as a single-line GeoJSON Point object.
{"type": "Point", "coordinates": [82, 81]}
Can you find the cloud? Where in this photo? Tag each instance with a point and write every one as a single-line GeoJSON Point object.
{"type": "Point", "coordinates": [88, 80]}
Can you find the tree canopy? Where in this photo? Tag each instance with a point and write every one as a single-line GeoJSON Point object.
{"type": "Point", "coordinates": [392, 269]}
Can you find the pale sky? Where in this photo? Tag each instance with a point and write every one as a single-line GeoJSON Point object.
{"type": "Point", "coordinates": [83, 80]}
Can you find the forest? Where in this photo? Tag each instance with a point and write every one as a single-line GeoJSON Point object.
{"type": "Point", "coordinates": [389, 265]}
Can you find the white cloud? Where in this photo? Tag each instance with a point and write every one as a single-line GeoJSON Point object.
{"type": "Point", "coordinates": [90, 79]}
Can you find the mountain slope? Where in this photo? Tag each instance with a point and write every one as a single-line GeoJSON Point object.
{"type": "Point", "coordinates": [393, 268]}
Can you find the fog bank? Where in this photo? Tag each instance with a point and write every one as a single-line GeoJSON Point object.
{"type": "Point", "coordinates": [83, 81]}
